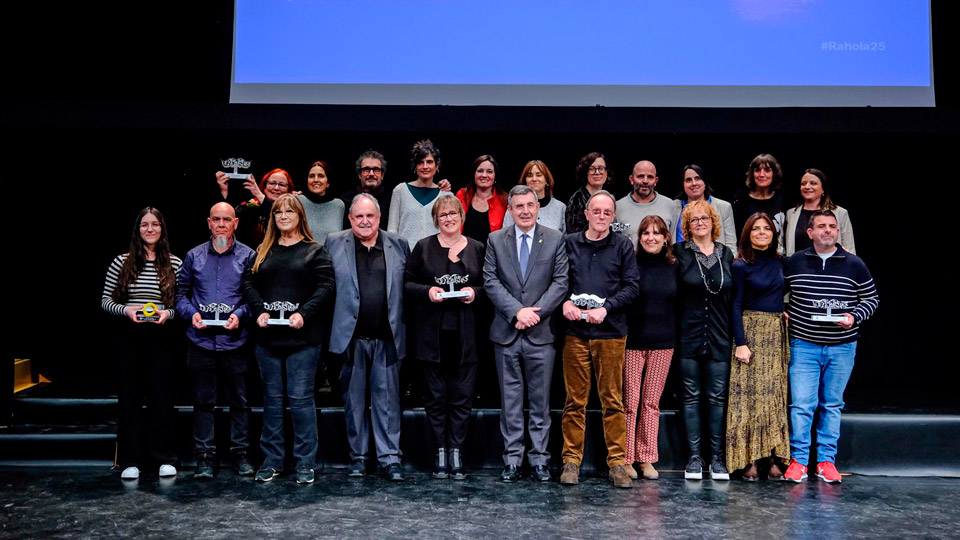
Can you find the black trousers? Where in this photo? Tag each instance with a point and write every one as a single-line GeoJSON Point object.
{"type": "Point", "coordinates": [145, 365]}
{"type": "Point", "coordinates": [230, 368]}
{"type": "Point", "coordinates": [704, 379]}
{"type": "Point", "coordinates": [448, 392]}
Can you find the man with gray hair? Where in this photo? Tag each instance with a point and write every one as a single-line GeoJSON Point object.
{"type": "Point", "coordinates": [525, 277]}
{"type": "Point", "coordinates": [604, 280]}
{"type": "Point", "coordinates": [368, 330]}
{"type": "Point", "coordinates": [371, 167]}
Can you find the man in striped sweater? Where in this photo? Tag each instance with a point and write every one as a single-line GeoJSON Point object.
{"type": "Point", "coordinates": [823, 279]}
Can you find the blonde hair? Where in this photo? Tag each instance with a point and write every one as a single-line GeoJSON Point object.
{"type": "Point", "coordinates": [706, 208]}
{"type": "Point", "coordinates": [283, 202]}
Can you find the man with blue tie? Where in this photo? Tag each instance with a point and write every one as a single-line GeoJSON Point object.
{"type": "Point", "coordinates": [525, 277]}
{"type": "Point", "coordinates": [368, 330]}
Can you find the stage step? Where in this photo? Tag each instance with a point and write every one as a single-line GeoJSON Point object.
{"type": "Point", "coordinates": [874, 444]}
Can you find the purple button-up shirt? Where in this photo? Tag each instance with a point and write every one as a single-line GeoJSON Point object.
{"type": "Point", "coordinates": [208, 277]}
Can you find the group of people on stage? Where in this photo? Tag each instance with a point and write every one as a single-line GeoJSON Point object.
{"type": "Point", "coordinates": [634, 283]}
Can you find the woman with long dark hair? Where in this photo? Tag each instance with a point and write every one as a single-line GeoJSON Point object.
{"type": "Point", "coordinates": [324, 211]}
{"type": "Point", "coordinates": [815, 195]}
{"type": "Point", "coordinates": [290, 283]}
{"type": "Point", "coordinates": [483, 201]}
{"type": "Point", "coordinates": [140, 287]}
{"type": "Point", "coordinates": [757, 435]}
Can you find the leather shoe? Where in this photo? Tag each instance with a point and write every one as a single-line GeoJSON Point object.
{"type": "Point", "coordinates": [357, 469]}
{"type": "Point", "coordinates": [750, 473]}
{"type": "Point", "coordinates": [394, 472]}
{"type": "Point", "coordinates": [510, 474]}
{"type": "Point", "coordinates": [541, 473]}
{"type": "Point", "coordinates": [774, 473]}
{"type": "Point", "coordinates": [618, 475]}
{"type": "Point", "coordinates": [570, 475]}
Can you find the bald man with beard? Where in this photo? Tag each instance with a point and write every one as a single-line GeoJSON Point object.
{"type": "Point", "coordinates": [210, 288]}
{"type": "Point", "coordinates": [643, 201]}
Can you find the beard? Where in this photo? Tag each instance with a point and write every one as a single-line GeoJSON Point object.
{"type": "Point", "coordinates": [221, 243]}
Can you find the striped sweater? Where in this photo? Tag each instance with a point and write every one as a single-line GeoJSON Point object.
{"type": "Point", "coordinates": [145, 289]}
{"type": "Point", "coordinates": [841, 280]}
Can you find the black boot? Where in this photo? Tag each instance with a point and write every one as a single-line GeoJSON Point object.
{"type": "Point", "coordinates": [456, 465]}
{"type": "Point", "coordinates": [440, 466]}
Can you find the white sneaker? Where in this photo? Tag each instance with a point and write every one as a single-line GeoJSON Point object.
{"type": "Point", "coordinates": [167, 470]}
{"type": "Point", "coordinates": [130, 473]}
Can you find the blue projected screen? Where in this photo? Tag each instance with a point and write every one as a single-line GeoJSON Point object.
{"type": "Point", "coordinates": [724, 53]}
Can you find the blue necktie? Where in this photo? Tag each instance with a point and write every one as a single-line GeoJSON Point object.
{"type": "Point", "coordinates": [524, 254]}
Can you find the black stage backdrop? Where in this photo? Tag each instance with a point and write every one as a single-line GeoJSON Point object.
{"type": "Point", "coordinates": [108, 108]}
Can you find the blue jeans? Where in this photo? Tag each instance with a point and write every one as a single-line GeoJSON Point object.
{"type": "Point", "coordinates": [301, 370]}
{"type": "Point", "coordinates": [818, 377]}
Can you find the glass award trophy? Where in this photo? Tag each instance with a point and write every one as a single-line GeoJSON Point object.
{"type": "Point", "coordinates": [149, 312]}
{"type": "Point", "coordinates": [451, 280]}
{"type": "Point", "coordinates": [586, 301]}
{"type": "Point", "coordinates": [829, 305]}
{"type": "Point", "coordinates": [236, 164]}
{"type": "Point", "coordinates": [283, 308]}
{"type": "Point", "coordinates": [216, 309]}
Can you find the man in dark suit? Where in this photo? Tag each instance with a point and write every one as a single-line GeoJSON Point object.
{"type": "Point", "coordinates": [368, 330]}
{"type": "Point", "coordinates": [525, 277]}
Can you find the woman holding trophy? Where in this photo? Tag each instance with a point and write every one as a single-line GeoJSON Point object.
{"type": "Point", "coordinates": [442, 280]}
{"type": "Point", "coordinates": [292, 276]}
{"type": "Point", "coordinates": [140, 288]}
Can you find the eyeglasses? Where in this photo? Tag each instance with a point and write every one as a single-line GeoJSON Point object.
{"type": "Point", "coordinates": [285, 212]}
{"type": "Point", "coordinates": [604, 213]}
{"type": "Point", "coordinates": [702, 219]}
{"type": "Point", "coordinates": [277, 185]}
{"type": "Point", "coordinates": [600, 169]}
{"type": "Point", "coordinates": [448, 215]}
{"type": "Point", "coordinates": [369, 170]}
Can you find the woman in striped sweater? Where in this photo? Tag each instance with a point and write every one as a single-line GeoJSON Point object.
{"type": "Point", "coordinates": [140, 289]}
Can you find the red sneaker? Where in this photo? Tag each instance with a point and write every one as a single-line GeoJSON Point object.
{"type": "Point", "coordinates": [796, 472]}
{"type": "Point", "coordinates": [827, 472]}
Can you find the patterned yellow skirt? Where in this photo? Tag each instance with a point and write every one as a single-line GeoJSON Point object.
{"type": "Point", "coordinates": [757, 406]}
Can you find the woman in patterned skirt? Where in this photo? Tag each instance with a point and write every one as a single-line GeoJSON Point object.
{"type": "Point", "coordinates": [757, 435]}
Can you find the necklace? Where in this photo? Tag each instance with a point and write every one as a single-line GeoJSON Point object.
{"type": "Point", "coordinates": [703, 276]}
{"type": "Point", "coordinates": [455, 242]}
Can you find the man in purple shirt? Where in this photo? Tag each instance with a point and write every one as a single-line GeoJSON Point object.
{"type": "Point", "coordinates": [210, 296]}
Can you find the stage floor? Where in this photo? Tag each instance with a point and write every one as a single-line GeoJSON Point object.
{"type": "Point", "coordinates": [88, 502]}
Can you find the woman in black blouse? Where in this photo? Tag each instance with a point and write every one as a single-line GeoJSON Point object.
{"type": "Point", "coordinates": [704, 345]}
{"type": "Point", "coordinates": [650, 342]}
{"type": "Point", "coordinates": [292, 281]}
{"type": "Point", "coordinates": [445, 329]}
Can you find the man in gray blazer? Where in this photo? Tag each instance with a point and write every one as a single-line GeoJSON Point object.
{"type": "Point", "coordinates": [525, 277]}
{"type": "Point", "coordinates": [368, 330]}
